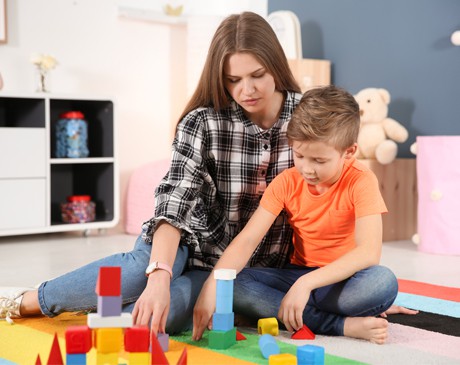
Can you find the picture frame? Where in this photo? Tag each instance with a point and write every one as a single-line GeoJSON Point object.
{"type": "Point", "coordinates": [3, 32]}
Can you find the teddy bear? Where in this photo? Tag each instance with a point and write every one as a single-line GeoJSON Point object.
{"type": "Point", "coordinates": [378, 134]}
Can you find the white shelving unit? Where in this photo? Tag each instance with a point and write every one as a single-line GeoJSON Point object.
{"type": "Point", "coordinates": [33, 183]}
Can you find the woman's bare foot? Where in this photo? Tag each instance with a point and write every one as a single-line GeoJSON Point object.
{"type": "Point", "coordinates": [367, 328]}
{"type": "Point", "coordinates": [29, 304]}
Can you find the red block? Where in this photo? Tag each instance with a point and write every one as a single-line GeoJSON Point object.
{"type": "Point", "coordinates": [303, 334]}
{"type": "Point", "coordinates": [109, 281]}
{"type": "Point", "coordinates": [239, 336]}
{"type": "Point", "coordinates": [158, 356]}
{"type": "Point", "coordinates": [78, 340]}
{"type": "Point", "coordinates": [38, 361]}
{"type": "Point", "coordinates": [55, 357]}
{"type": "Point", "coordinates": [137, 339]}
{"type": "Point", "coordinates": [183, 358]}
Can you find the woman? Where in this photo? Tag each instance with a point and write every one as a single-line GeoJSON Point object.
{"type": "Point", "coordinates": [230, 143]}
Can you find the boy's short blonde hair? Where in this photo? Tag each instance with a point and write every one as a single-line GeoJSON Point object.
{"type": "Point", "coordinates": [326, 114]}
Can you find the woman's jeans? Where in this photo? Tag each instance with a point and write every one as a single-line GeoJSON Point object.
{"type": "Point", "coordinates": [75, 291]}
{"type": "Point", "coordinates": [258, 293]}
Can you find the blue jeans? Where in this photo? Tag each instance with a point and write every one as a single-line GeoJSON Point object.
{"type": "Point", "coordinates": [369, 292]}
{"type": "Point", "coordinates": [75, 291]}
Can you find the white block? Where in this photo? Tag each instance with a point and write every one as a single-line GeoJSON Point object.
{"type": "Point", "coordinates": [225, 274]}
{"type": "Point", "coordinates": [123, 321]}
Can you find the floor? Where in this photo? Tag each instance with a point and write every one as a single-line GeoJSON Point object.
{"type": "Point", "coordinates": [29, 260]}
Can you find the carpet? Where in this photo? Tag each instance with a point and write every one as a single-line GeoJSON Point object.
{"type": "Point", "coordinates": [432, 337]}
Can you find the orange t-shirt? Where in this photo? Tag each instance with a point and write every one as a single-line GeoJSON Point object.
{"type": "Point", "coordinates": [324, 225]}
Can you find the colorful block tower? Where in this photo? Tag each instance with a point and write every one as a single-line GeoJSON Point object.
{"type": "Point", "coordinates": [223, 333]}
{"type": "Point", "coordinates": [109, 322]}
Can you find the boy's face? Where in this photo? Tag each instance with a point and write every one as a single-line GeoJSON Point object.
{"type": "Point", "coordinates": [319, 163]}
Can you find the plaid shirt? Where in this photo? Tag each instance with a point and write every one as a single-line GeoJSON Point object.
{"type": "Point", "coordinates": [221, 164]}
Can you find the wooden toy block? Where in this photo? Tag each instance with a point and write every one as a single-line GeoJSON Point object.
{"type": "Point", "coordinates": [163, 339]}
{"type": "Point", "coordinates": [222, 339]}
{"type": "Point", "coordinates": [38, 361]}
{"type": "Point", "coordinates": [109, 281]}
{"type": "Point", "coordinates": [282, 359]}
{"type": "Point", "coordinates": [78, 339]}
{"type": "Point", "coordinates": [240, 336]}
{"type": "Point", "coordinates": [183, 358]}
{"type": "Point", "coordinates": [268, 346]}
{"type": "Point", "coordinates": [224, 296]}
{"type": "Point", "coordinates": [75, 359]}
{"type": "Point", "coordinates": [55, 356]}
{"type": "Point", "coordinates": [223, 321]}
{"type": "Point", "coordinates": [224, 274]}
{"type": "Point", "coordinates": [97, 321]}
{"type": "Point", "coordinates": [268, 326]}
{"type": "Point", "coordinates": [139, 358]}
{"type": "Point", "coordinates": [157, 355]}
{"type": "Point", "coordinates": [108, 340]}
{"type": "Point", "coordinates": [108, 306]}
{"type": "Point", "coordinates": [303, 334]}
{"type": "Point", "coordinates": [310, 355]}
{"type": "Point", "coordinates": [137, 339]}
{"type": "Point", "coordinates": [107, 359]}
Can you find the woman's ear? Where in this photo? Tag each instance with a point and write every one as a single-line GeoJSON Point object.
{"type": "Point", "coordinates": [351, 151]}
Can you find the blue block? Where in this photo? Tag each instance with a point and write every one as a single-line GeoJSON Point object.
{"type": "Point", "coordinates": [75, 359]}
{"type": "Point", "coordinates": [109, 306]}
{"type": "Point", "coordinates": [223, 321]}
{"type": "Point", "coordinates": [224, 296]}
{"type": "Point", "coordinates": [310, 355]}
{"type": "Point", "coordinates": [268, 345]}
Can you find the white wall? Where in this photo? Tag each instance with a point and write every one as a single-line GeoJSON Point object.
{"type": "Point", "coordinates": [102, 54]}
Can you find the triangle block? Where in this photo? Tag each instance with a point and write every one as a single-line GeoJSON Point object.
{"type": "Point", "coordinates": [239, 336]}
{"type": "Point", "coordinates": [38, 361]}
{"type": "Point", "coordinates": [158, 356]}
{"type": "Point", "coordinates": [55, 357]}
{"type": "Point", "coordinates": [183, 358]}
{"type": "Point", "coordinates": [303, 334]}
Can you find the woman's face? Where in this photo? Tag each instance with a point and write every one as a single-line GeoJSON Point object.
{"type": "Point", "coordinates": [249, 83]}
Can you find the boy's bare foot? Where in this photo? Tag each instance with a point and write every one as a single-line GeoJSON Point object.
{"type": "Point", "coordinates": [366, 328]}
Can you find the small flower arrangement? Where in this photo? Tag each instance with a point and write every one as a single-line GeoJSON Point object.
{"type": "Point", "coordinates": [44, 63]}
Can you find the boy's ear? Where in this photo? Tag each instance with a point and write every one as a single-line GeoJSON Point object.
{"type": "Point", "coordinates": [351, 151]}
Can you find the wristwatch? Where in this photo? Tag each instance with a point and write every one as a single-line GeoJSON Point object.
{"type": "Point", "coordinates": [155, 265]}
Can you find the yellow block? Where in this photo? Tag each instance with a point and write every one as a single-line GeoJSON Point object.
{"type": "Point", "coordinates": [107, 359]}
{"type": "Point", "coordinates": [109, 340]}
{"type": "Point", "coordinates": [139, 358]}
{"type": "Point", "coordinates": [282, 359]}
{"type": "Point", "coordinates": [268, 326]}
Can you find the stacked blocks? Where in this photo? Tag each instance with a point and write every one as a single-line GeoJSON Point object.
{"type": "Point", "coordinates": [223, 333]}
{"type": "Point", "coordinates": [310, 355]}
{"type": "Point", "coordinates": [78, 342]}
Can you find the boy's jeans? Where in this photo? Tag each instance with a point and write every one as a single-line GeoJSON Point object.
{"type": "Point", "coordinates": [75, 291]}
{"type": "Point", "coordinates": [258, 293]}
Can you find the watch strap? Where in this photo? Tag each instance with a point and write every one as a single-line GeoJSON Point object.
{"type": "Point", "coordinates": [155, 265]}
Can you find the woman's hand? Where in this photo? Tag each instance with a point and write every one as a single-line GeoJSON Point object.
{"type": "Point", "coordinates": [204, 308]}
{"type": "Point", "coordinates": [153, 304]}
{"type": "Point", "coordinates": [293, 305]}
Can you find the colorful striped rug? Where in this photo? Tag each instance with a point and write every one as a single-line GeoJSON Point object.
{"type": "Point", "coordinates": [432, 337]}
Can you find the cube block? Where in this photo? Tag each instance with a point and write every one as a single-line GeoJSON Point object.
{"type": "Point", "coordinates": [222, 339]}
{"type": "Point", "coordinates": [223, 321]}
{"type": "Point", "coordinates": [268, 326]}
{"type": "Point", "coordinates": [108, 306]}
{"type": "Point", "coordinates": [310, 355]}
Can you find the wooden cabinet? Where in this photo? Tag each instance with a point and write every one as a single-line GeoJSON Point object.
{"type": "Point", "coordinates": [34, 183]}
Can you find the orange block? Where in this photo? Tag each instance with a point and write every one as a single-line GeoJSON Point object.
{"type": "Point", "coordinates": [109, 340]}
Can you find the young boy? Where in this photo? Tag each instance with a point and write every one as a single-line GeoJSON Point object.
{"type": "Point", "coordinates": [333, 282]}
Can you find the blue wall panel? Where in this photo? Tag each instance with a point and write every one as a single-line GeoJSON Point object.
{"type": "Point", "coordinates": [401, 45]}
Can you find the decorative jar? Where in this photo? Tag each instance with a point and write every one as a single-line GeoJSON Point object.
{"type": "Point", "coordinates": [78, 209]}
{"type": "Point", "coordinates": [72, 135]}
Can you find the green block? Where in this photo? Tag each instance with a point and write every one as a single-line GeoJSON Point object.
{"type": "Point", "coordinates": [222, 339]}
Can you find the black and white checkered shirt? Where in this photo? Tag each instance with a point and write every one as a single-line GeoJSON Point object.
{"type": "Point", "coordinates": [221, 164]}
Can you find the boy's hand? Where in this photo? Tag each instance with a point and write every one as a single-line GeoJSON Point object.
{"type": "Point", "coordinates": [292, 307]}
{"type": "Point", "coordinates": [204, 308]}
{"type": "Point", "coordinates": [396, 309]}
